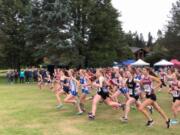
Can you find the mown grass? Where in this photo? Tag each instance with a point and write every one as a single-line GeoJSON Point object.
{"type": "Point", "coordinates": [26, 110]}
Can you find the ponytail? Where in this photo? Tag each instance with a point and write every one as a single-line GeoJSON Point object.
{"type": "Point", "coordinates": [151, 72]}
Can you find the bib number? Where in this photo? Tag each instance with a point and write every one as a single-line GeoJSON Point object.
{"type": "Point", "coordinates": [147, 88]}
{"type": "Point", "coordinates": [175, 93]}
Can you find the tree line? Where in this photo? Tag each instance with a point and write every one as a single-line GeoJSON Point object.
{"type": "Point", "coordinates": [74, 33]}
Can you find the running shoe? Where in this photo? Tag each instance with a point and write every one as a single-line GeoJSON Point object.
{"type": "Point", "coordinates": [91, 117]}
{"type": "Point", "coordinates": [59, 106]}
{"type": "Point", "coordinates": [168, 123]}
{"type": "Point", "coordinates": [123, 119]}
{"type": "Point", "coordinates": [79, 113]}
{"type": "Point", "coordinates": [149, 123]}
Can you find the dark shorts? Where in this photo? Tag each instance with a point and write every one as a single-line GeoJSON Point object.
{"type": "Point", "coordinates": [124, 90]}
{"type": "Point", "coordinates": [85, 91]}
{"type": "Point", "coordinates": [103, 94]}
{"type": "Point", "coordinates": [49, 82]}
{"type": "Point", "coordinates": [151, 96]}
{"type": "Point", "coordinates": [74, 93]}
{"type": "Point", "coordinates": [46, 81]}
{"type": "Point", "coordinates": [175, 98]}
{"type": "Point", "coordinates": [136, 97]}
{"type": "Point", "coordinates": [66, 89]}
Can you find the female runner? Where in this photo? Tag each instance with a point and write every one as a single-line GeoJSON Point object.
{"type": "Point", "coordinates": [175, 91]}
{"type": "Point", "coordinates": [85, 89]}
{"type": "Point", "coordinates": [147, 83]}
{"type": "Point", "coordinates": [102, 93]}
{"type": "Point", "coordinates": [57, 87]}
{"type": "Point", "coordinates": [40, 80]}
{"type": "Point", "coordinates": [134, 91]}
{"type": "Point", "coordinates": [73, 96]}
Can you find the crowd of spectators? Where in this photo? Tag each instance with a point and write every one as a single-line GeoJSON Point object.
{"type": "Point", "coordinates": [28, 75]}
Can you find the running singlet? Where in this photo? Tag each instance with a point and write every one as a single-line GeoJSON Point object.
{"type": "Point", "coordinates": [57, 77]}
{"type": "Point", "coordinates": [169, 79]}
{"type": "Point", "coordinates": [147, 85]}
{"type": "Point", "coordinates": [103, 91]}
{"type": "Point", "coordinates": [73, 89]}
{"type": "Point", "coordinates": [132, 87]}
{"type": "Point", "coordinates": [138, 78]}
{"type": "Point", "coordinates": [175, 89]}
{"type": "Point", "coordinates": [123, 87]}
{"type": "Point", "coordinates": [65, 84]}
{"type": "Point", "coordinates": [162, 75]}
{"type": "Point", "coordinates": [83, 80]}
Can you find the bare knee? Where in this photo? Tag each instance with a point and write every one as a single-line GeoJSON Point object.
{"type": "Point", "coordinates": [65, 100]}
{"type": "Point", "coordinates": [173, 108]}
{"type": "Point", "coordinates": [140, 108]}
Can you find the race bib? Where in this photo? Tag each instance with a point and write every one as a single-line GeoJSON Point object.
{"type": "Point", "coordinates": [105, 90]}
{"type": "Point", "coordinates": [147, 88]}
{"type": "Point", "coordinates": [175, 93]}
{"type": "Point", "coordinates": [131, 91]}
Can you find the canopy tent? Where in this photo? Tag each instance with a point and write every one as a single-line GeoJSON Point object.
{"type": "Point", "coordinates": [117, 64]}
{"type": "Point", "coordinates": [163, 63]}
{"type": "Point", "coordinates": [116, 67]}
{"type": "Point", "coordinates": [128, 62]}
{"type": "Point", "coordinates": [123, 63]}
{"type": "Point", "coordinates": [176, 63]}
{"type": "Point", "coordinates": [140, 63]}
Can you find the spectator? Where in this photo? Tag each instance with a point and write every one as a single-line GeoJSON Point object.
{"type": "Point", "coordinates": [35, 75]}
{"type": "Point", "coordinates": [8, 76]}
{"type": "Point", "coordinates": [26, 72]}
{"type": "Point", "coordinates": [11, 76]}
{"type": "Point", "coordinates": [22, 76]}
{"type": "Point", "coordinates": [30, 75]}
{"type": "Point", "coordinates": [16, 76]}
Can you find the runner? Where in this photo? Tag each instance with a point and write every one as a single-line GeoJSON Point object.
{"type": "Point", "coordinates": [149, 87]}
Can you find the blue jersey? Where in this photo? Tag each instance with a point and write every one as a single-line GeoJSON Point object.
{"type": "Point", "coordinates": [138, 77]}
{"type": "Point", "coordinates": [83, 80]}
{"type": "Point", "coordinates": [73, 88]}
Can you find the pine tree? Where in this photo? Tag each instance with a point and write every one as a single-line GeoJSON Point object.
{"type": "Point", "coordinates": [106, 36]}
{"type": "Point", "coordinates": [50, 31]}
{"type": "Point", "coordinates": [12, 16]}
{"type": "Point", "coordinates": [172, 35]}
{"type": "Point", "coordinates": [150, 40]}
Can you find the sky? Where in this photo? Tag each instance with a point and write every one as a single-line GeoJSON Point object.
{"type": "Point", "coordinates": [143, 16]}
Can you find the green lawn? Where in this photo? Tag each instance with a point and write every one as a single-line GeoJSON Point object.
{"type": "Point", "coordinates": [25, 110]}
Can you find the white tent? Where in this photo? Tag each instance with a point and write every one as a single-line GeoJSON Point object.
{"type": "Point", "coordinates": [115, 67]}
{"type": "Point", "coordinates": [140, 63]}
{"type": "Point", "coordinates": [163, 63]}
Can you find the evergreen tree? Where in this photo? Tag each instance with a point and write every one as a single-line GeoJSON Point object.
{"type": "Point", "coordinates": [12, 16]}
{"type": "Point", "coordinates": [57, 17]}
{"type": "Point", "coordinates": [135, 40]}
{"type": "Point", "coordinates": [106, 36]}
{"type": "Point", "coordinates": [150, 40]}
{"type": "Point", "coordinates": [69, 32]}
{"type": "Point", "coordinates": [172, 36]}
{"type": "Point", "coordinates": [36, 31]}
{"type": "Point", "coordinates": [50, 33]}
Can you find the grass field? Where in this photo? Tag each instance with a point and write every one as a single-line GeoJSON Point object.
{"type": "Point", "coordinates": [25, 110]}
